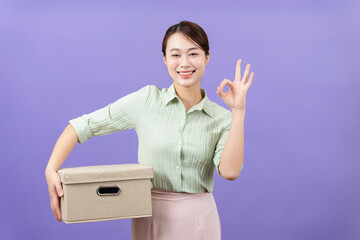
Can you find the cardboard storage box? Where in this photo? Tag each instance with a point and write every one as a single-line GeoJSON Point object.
{"type": "Point", "coordinates": [105, 192]}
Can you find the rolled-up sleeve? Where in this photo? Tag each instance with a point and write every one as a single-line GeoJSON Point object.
{"type": "Point", "coordinates": [222, 141]}
{"type": "Point", "coordinates": [119, 115]}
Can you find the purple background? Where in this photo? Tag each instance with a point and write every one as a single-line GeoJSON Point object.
{"type": "Point", "coordinates": [59, 60]}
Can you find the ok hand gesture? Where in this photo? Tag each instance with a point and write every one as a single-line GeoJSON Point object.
{"type": "Point", "coordinates": [235, 98]}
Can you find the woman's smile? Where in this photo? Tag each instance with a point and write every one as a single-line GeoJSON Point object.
{"type": "Point", "coordinates": [187, 74]}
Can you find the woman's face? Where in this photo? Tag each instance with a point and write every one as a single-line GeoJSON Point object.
{"type": "Point", "coordinates": [185, 61]}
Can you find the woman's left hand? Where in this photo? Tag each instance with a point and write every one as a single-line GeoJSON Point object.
{"type": "Point", "coordinates": [235, 98]}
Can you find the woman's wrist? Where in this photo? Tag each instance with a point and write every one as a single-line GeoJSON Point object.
{"type": "Point", "coordinates": [238, 111]}
{"type": "Point", "coordinates": [50, 169]}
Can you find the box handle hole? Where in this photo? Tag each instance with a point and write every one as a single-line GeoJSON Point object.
{"type": "Point", "coordinates": [108, 190]}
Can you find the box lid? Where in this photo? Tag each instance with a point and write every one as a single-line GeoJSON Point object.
{"type": "Point", "coordinates": [103, 173]}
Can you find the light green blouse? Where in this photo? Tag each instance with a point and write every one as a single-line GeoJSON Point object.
{"type": "Point", "coordinates": [182, 147]}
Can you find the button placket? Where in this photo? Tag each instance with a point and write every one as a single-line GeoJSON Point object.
{"type": "Point", "coordinates": [181, 130]}
{"type": "Point", "coordinates": [180, 143]}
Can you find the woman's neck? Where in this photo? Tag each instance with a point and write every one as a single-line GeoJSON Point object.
{"type": "Point", "coordinates": [189, 96]}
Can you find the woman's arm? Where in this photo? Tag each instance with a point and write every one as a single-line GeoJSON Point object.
{"type": "Point", "coordinates": [62, 149]}
{"type": "Point", "coordinates": [232, 156]}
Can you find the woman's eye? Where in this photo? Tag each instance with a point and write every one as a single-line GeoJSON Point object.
{"type": "Point", "coordinates": [176, 55]}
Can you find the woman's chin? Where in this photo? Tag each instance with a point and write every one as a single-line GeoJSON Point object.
{"type": "Point", "coordinates": [186, 82]}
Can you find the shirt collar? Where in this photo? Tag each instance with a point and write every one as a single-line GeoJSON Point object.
{"type": "Point", "coordinates": [204, 104]}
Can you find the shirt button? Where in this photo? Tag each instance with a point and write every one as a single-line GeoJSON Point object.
{"type": "Point", "coordinates": [177, 167]}
{"type": "Point", "coordinates": [179, 142]}
{"type": "Point", "coordinates": [182, 121]}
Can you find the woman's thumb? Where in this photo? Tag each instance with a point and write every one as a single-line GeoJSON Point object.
{"type": "Point", "coordinates": [219, 92]}
{"type": "Point", "coordinates": [59, 190]}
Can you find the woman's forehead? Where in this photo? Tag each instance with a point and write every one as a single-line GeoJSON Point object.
{"type": "Point", "coordinates": [179, 42]}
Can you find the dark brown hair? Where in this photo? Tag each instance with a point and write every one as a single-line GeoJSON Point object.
{"type": "Point", "coordinates": [191, 31]}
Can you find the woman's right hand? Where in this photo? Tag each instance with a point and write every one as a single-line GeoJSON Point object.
{"type": "Point", "coordinates": [55, 191]}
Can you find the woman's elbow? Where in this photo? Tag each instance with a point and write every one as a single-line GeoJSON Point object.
{"type": "Point", "coordinates": [232, 177]}
{"type": "Point", "coordinates": [229, 175]}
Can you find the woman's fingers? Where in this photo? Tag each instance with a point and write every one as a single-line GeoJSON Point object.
{"type": "Point", "coordinates": [250, 79]}
{"type": "Point", "coordinates": [59, 189]}
{"type": "Point", "coordinates": [55, 191]}
{"type": "Point", "coordinates": [55, 204]}
{"type": "Point", "coordinates": [225, 82]}
{"type": "Point", "coordinates": [60, 193]}
{"type": "Point", "coordinates": [237, 71]}
{"type": "Point", "coordinates": [222, 85]}
{"type": "Point", "coordinates": [219, 92]}
{"type": "Point", "coordinates": [246, 73]}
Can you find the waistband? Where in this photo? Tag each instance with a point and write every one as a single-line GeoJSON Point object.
{"type": "Point", "coordinates": [161, 194]}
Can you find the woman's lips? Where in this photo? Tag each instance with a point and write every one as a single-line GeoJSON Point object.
{"type": "Point", "coordinates": [187, 75]}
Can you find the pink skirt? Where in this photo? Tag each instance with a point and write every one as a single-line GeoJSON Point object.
{"type": "Point", "coordinates": [179, 216]}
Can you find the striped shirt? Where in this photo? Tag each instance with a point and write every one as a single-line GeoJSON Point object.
{"type": "Point", "coordinates": [182, 147]}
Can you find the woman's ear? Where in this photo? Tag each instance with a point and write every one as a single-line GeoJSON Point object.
{"type": "Point", "coordinates": [207, 58]}
{"type": "Point", "coordinates": [164, 59]}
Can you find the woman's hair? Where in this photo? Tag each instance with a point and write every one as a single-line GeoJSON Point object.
{"type": "Point", "coordinates": [191, 31]}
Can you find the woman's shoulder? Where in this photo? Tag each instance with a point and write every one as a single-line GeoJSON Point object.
{"type": "Point", "coordinates": [154, 93]}
{"type": "Point", "coordinates": [155, 90]}
{"type": "Point", "coordinates": [148, 89]}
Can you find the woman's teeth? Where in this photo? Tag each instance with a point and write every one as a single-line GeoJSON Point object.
{"type": "Point", "coordinates": [186, 74]}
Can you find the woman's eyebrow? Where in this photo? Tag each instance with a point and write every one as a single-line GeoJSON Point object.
{"type": "Point", "coordinates": [174, 49]}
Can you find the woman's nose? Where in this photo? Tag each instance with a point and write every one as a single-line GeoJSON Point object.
{"type": "Point", "coordinates": [184, 62]}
